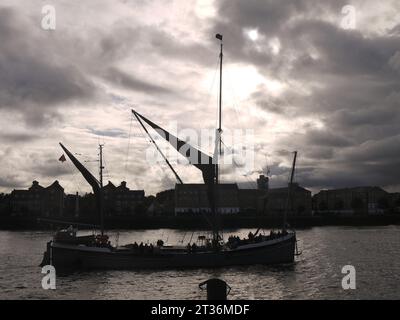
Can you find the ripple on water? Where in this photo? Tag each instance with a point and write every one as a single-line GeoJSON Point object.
{"type": "Point", "coordinates": [374, 251]}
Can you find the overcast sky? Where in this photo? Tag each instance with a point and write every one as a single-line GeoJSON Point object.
{"type": "Point", "coordinates": [295, 72]}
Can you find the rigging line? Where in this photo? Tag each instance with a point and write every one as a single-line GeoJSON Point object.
{"type": "Point", "coordinates": [159, 150]}
{"type": "Point", "coordinates": [251, 182]}
{"type": "Point", "coordinates": [128, 149]}
{"type": "Point", "coordinates": [210, 95]}
{"type": "Point", "coordinates": [74, 176]}
{"type": "Point", "coordinates": [183, 239]}
{"type": "Point", "coordinates": [235, 107]}
{"type": "Point", "coordinates": [213, 80]}
{"type": "Point", "coordinates": [108, 175]}
{"type": "Point", "coordinates": [73, 173]}
{"type": "Point", "coordinates": [248, 178]}
{"type": "Point", "coordinates": [191, 237]}
{"type": "Point", "coordinates": [260, 168]}
{"type": "Point", "coordinates": [196, 146]}
{"type": "Point", "coordinates": [234, 102]}
{"type": "Point", "coordinates": [138, 133]}
{"type": "Point", "coordinates": [148, 138]}
{"type": "Point", "coordinates": [69, 183]}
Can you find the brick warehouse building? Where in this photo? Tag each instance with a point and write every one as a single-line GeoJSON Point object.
{"type": "Point", "coordinates": [121, 201]}
{"type": "Point", "coordinates": [38, 201]}
{"type": "Point", "coordinates": [350, 201]}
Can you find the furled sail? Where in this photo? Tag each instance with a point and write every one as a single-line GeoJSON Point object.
{"type": "Point", "coordinates": [195, 157]}
{"type": "Point", "coordinates": [94, 183]}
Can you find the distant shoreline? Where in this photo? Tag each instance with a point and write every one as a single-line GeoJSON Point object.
{"type": "Point", "coordinates": [197, 222]}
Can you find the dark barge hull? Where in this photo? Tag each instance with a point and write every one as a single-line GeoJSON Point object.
{"type": "Point", "coordinates": [64, 256]}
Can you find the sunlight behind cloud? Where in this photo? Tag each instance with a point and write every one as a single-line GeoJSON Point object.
{"type": "Point", "coordinates": [253, 34]}
{"type": "Point", "coordinates": [243, 80]}
{"type": "Point", "coordinates": [205, 8]}
{"type": "Point", "coordinates": [275, 45]}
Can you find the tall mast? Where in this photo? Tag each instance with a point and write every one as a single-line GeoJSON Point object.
{"type": "Point", "coordinates": [218, 143]}
{"type": "Point", "coordinates": [290, 187]}
{"type": "Point", "coordinates": [219, 37]}
{"type": "Point", "coordinates": [101, 167]}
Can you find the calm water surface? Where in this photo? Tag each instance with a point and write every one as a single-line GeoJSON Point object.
{"type": "Point", "coordinates": [374, 251]}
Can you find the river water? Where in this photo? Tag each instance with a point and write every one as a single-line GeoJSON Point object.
{"type": "Point", "coordinates": [373, 251]}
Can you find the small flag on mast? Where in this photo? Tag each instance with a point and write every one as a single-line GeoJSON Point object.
{"type": "Point", "coordinates": [219, 36]}
{"type": "Point", "coordinates": [62, 158]}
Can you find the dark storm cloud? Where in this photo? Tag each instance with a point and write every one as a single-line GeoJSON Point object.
{"type": "Point", "coordinates": [48, 165]}
{"type": "Point", "coordinates": [109, 133]}
{"type": "Point", "coordinates": [10, 181]}
{"type": "Point", "coordinates": [123, 79]}
{"type": "Point", "coordinates": [17, 137]}
{"type": "Point", "coordinates": [270, 103]}
{"type": "Point", "coordinates": [395, 30]}
{"type": "Point", "coordinates": [320, 152]}
{"type": "Point", "coordinates": [148, 45]}
{"type": "Point", "coordinates": [344, 52]}
{"type": "Point", "coordinates": [352, 82]}
{"type": "Point", "coordinates": [42, 72]}
{"type": "Point", "coordinates": [31, 79]}
{"type": "Point", "coordinates": [384, 151]}
{"type": "Point", "coordinates": [271, 18]}
{"type": "Point", "coordinates": [352, 174]}
{"type": "Point", "coordinates": [324, 138]}
{"type": "Point", "coordinates": [339, 105]}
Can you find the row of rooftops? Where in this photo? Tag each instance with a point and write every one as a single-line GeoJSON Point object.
{"type": "Point", "coordinates": [36, 187]}
{"type": "Point", "coordinates": [353, 189]}
{"type": "Point", "coordinates": [201, 187]}
{"type": "Point", "coordinates": [121, 188]}
{"type": "Point", "coordinates": [233, 186]}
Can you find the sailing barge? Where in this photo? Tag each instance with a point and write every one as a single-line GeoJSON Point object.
{"type": "Point", "coordinates": [67, 250]}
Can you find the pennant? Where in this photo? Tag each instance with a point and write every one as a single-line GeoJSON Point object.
{"type": "Point", "coordinates": [62, 158]}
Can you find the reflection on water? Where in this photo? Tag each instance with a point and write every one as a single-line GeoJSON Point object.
{"type": "Point", "coordinates": [374, 251]}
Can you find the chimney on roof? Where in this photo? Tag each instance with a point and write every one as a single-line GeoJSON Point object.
{"type": "Point", "coordinates": [263, 182]}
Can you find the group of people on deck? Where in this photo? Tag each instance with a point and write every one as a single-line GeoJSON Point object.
{"type": "Point", "coordinates": [191, 248]}
{"type": "Point", "coordinates": [142, 248]}
{"type": "Point", "coordinates": [235, 241]}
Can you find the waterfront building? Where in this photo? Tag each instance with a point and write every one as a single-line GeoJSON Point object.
{"type": "Point", "coordinates": [38, 201]}
{"type": "Point", "coordinates": [352, 201]}
{"type": "Point", "coordinates": [299, 204]}
{"type": "Point", "coordinates": [263, 182]}
{"type": "Point", "coordinates": [121, 201]}
{"type": "Point", "coordinates": [192, 198]}
{"type": "Point", "coordinates": [164, 203]}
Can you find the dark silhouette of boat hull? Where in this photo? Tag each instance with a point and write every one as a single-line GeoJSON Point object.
{"type": "Point", "coordinates": [81, 257]}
